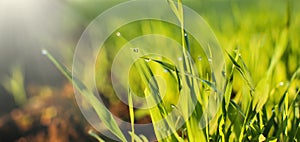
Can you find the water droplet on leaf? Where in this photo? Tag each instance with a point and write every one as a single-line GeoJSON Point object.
{"type": "Point", "coordinates": [44, 52]}
{"type": "Point", "coordinates": [147, 60]}
{"type": "Point", "coordinates": [199, 58]}
{"type": "Point", "coordinates": [136, 50]}
{"type": "Point", "coordinates": [223, 73]}
{"type": "Point", "coordinates": [281, 83]}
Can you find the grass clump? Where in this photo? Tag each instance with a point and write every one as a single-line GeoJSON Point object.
{"type": "Point", "coordinates": [261, 96]}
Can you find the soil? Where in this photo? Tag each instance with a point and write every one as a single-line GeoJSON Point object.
{"type": "Point", "coordinates": [50, 115]}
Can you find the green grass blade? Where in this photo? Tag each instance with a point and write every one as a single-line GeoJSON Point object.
{"type": "Point", "coordinates": [243, 71]}
{"type": "Point", "coordinates": [143, 138]}
{"type": "Point", "coordinates": [279, 50]}
{"type": "Point", "coordinates": [174, 68]}
{"type": "Point", "coordinates": [173, 7]}
{"type": "Point", "coordinates": [93, 134]}
{"type": "Point", "coordinates": [15, 85]}
{"type": "Point", "coordinates": [269, 124]}
{"type": "Point", "coordinates": [135, 138]}
{"type": "Point", "coordinates": [131, 114]}
{"type": "Point", "coordinates": [103, 113]}
{"type": "Point", "coordinates": [237, 108]}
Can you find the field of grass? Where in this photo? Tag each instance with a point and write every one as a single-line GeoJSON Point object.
{"type": "Point", "coordinates": [260, 95]}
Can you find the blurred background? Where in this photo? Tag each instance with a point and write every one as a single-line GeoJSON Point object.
{"type": "Point", "coordinates": [37, 102]}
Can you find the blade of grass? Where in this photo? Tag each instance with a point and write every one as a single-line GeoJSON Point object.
{"type": "Point", "coordinates": [243, 71]}
{"type": "Point", "coordinates": [131, 114]}
{"type": "Point", "coordinates": [93, 134]}
{"type": "Point", "coordinates": [135, 138]}
{"type": "Point", "coordinates": [103, 113]}
{"type": "Point", "coordinates": [174, 68]}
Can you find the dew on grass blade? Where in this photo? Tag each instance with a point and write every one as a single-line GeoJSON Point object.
{"type": "Point", "coordinates": [281, 83]}
{"type": "Point", "coordinates": [209, 60]}
{"type": "Point", "coordinates": [236, 50]}
{"type": "Point", "coordinates": [44, 51]}
{"type": "Point", "coordinates": [147, 59]}
{"type": "Point", "coordinates": [199, 58]}
{"type": "Point", "coordinates": [223, 73]}
{"type": "Point", "coordinates": [118, 34]}
{"type": "Point", "coordinates": [179, 58]}
{"type": "Point", "coordinates": [136, 50]}
{"type": "Point", "coordinates": [173, 106]}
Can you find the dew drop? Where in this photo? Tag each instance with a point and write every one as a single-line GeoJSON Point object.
{"type": "Point", "coordinates": [180, 58]}
{"type": "Point", "coordinates": [273, 110]}
{"type": "Point", "coordinates": [223, 73]}
{"type": "Point", "coordinates": [165, 70]}
{"type": "Point", "coordinates": [209, 60]}
{"type": "Point", "coordinates": [147, 60]}
{"type": "Point", "coordinates": [281, 83]}
{"type": "Point", "coordinates": [136, 50]}
{"type": "Point", "coordinates": [185, 34]}
{"type": "Point", "coordinates": [118, 34]}
{"type": "Point", "coordinates": [236, 50]}
{"type": "Point", "coordinates": [44, 52]}
{"type": "Point", "coordinates": [199, 58]}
